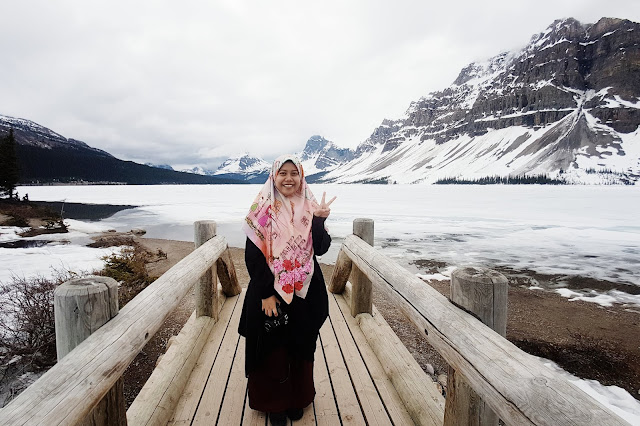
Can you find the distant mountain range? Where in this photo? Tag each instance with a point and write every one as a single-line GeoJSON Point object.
{"type": "Point", "coordinates": [47, 157]}
{"type": "Point", "coordinates": [566, 106]}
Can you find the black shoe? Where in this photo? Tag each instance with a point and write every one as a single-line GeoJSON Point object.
{"type": "Point", "coordinates": [278, 419]}
{"type": "Point", "coordinates": [294, 413]}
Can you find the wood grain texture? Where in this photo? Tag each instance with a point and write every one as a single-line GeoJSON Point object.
{"type": "Point", "coordinates": [417, 391]}
{"type": "Point", "coordinates": [206, 296]}
{"type": "Point", "coordinates": [69, 390]}
{"type": "Point", "coordinates": [227, 274]}
{"type": "Point", "coordinates": [190, 398]}
{"type": "Point", "coordinates": [345, 396]}
{"type": "Point", "coordinates": [517, 386]}
{"type": "Point", "coordinates": [372, 405]}
{"type": "Point", "coordinates": [158, 398]}
{"type": "Point", "coordinates": [81, 307]}
{"type": "Point", "coordinates": [391, 399]}
{"type": "Point", "coordinates": [341, 272]}
{"type": "Point", "coordinates": [361, 298]}
{"type": "Point", "coordinates": [483, 293]}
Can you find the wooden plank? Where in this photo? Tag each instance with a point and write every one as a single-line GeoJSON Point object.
{"type": "Point", "coordinates": [308, 416]}
{"type": "Point", "coordinates": [516, 385]}
{"type": "Point", "coordinates": [346, 398]}
{"type": "Point", "coordinates": [386, 391]}
{"type": "Point", "coordinates": [233, 400]}
{"type": "Point", "coordinates": [211, 400]}
{"type": "Point", "coordinates": [188, 403]}
{"type": "Point", "coordinates": [324, 404]}
{"type": "Point", "coordinates": [157, 400]}
{"type": "Point", "coordinates": [370, 402]}
{"type": "Point", "coordinates": [415, 389]}
{"type": "Point", "coordinates": [70, 389]}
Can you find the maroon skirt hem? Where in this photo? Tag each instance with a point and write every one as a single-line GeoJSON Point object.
{"type": "Point", "coordinates": [281, 383]}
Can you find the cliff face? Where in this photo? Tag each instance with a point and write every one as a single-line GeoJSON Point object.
{"type": "Point", "coordinates": [572, 93]}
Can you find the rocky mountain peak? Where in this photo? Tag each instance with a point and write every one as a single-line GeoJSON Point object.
{"type": "Point", "coordinates": [314, 145]}
{"type": "Point", "coordinates": [243, 163]}
{"type": "Point", "coordinates": [572, 93]}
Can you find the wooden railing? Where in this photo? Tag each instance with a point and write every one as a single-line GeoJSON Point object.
{"type": "Point", "coordinates": [68, 392]}
{"type": "Point", "coordinates": [518, 387]}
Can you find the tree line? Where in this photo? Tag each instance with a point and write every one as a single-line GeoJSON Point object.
{"type": "Point", "coordinates": [9, 169]}
{"type": "Point", "coordinates": [503, 180]}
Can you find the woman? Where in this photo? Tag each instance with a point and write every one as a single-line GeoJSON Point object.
{"type": "Point", "coordinates": [286, 301]}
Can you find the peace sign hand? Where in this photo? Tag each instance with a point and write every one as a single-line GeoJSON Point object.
{"type": "Point", "coordinates": [323, 209]}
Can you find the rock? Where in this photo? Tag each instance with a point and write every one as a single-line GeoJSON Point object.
{"type": "Point", "coordinates": [138, 231]}
{"type": "Point", "coordinates": [430, 369]}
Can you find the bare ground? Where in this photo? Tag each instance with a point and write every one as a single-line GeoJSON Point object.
{"type": "Point", "coordinates": [586, 339]}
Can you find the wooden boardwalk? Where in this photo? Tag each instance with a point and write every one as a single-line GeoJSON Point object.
{"type": "Point", "coordinates": [351, 385]}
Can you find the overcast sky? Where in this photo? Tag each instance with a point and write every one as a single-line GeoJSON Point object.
{"type": "Point", "coordinates": [194, 82]}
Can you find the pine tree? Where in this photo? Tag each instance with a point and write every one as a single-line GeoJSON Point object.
{"type": "Point", "coordinates": [9, 172]}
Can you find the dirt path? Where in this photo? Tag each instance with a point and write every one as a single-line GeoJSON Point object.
{"type": "Point", "coordinates": [586, 339]}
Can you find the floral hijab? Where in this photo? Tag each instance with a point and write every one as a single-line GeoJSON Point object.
{"type": "Point", "coordinates": [281, 228]}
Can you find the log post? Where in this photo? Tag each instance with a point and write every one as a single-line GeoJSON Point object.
{"type": "Point", "coordinates": [207, 287]}
{"type": "Point", "coordinates": [81, 307]}
{"type": "Point", "coordinates": [341, 273]}
{"type": "Point", "coordinates": [361, 299]}
{"type": "Point", "coordinates": [483, 293]}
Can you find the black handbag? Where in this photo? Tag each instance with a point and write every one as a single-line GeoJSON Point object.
{"type": "Point", "coordinates": [274, 323]}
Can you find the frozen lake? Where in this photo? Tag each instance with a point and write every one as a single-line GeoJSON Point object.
{"type": "Point", "coordinates": [585, 231]}
{"type": "Point", "coordinates": [591, 231]}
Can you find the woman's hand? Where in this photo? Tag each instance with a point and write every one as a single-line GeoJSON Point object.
{"type": "Point", "coordinates": [323, 209]}
{"type": "Point", "coordinates": [269, 306]}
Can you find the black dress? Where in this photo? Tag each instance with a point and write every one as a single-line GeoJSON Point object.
{"type": "Point", "coordinates": [280, 365]}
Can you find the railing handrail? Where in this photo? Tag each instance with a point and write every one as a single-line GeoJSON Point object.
{"type": "Point", "coordinates": [68, 391]}
{"type": "Point", "coordinates": [517, 386]}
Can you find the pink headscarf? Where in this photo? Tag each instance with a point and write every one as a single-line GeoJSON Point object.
{"type": "Point", "coordinates": [281, 228]}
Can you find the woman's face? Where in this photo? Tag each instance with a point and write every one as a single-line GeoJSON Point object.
{"type": "Point", "coordinates": [288, 179]}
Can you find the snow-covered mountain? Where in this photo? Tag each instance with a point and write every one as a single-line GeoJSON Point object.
{"type": "Point", "coordinates": [34, 135]}
{"type": "Point", "coordinates": [244, 167]}
{"type": "Point", "coordinates": [46, 156]}
{"type": "Point", "coordinates": [320, 155]}
{"type": "Point", "coordinates": [567, 106]}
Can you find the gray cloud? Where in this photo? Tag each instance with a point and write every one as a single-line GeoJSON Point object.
{"type": "Point", "coordinates": [194, 82]}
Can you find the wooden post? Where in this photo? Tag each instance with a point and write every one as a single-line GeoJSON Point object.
{"type": "Point", "coordinates": [361, 299]}
{"type": "Point", "coordinates": [82, 306]}
{"type": "Point", "coordinates": [341, 273]}
{"type": "Point", "coordinates": [483, 293]}
{"type": "Point", "coordinates": [207, 288]}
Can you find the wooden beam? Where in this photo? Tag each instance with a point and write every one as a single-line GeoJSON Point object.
{"type": "Point", "coordinates": [68, 391]}
{"type": "Point", "coordinates": [415, 388]}
{"type": "Point", "coordinates": [517, 386]}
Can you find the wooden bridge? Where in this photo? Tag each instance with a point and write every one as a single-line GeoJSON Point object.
{"type": "Point", "coordinates": [363, 374]}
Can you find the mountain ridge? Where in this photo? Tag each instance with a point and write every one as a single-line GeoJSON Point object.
{"type": "Point", "coordinates": [568, 102]}
{"type": "Point", "coordinates": [48, 157]}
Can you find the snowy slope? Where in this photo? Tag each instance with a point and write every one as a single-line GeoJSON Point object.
{"type": "Point", "coordinates": [566, 106]}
